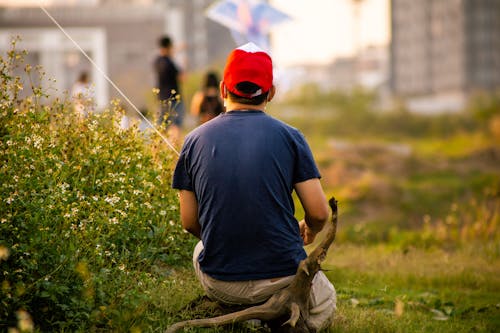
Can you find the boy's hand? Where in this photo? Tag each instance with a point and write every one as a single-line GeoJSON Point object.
{"type": "Point", "coordinates": [306, 233]}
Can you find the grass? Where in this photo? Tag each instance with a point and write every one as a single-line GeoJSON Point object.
{"type": "Point", "coordinates": [458, 145]}
{"type": "Point", "coordinates": [384, 290]}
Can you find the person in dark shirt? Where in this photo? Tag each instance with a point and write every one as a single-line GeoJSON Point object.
{"type": "Point", "coordinates": [235, 175]}
{"type": "Point", "coordinates": [168, 77]}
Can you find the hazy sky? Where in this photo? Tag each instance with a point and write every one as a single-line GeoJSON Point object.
{"type": "Point", "coordinates": [324, 29]}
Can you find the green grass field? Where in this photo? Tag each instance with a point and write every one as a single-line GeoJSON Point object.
{"type": "Point", "coordinates": [389, 290]}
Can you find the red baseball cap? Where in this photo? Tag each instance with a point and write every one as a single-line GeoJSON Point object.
{"type": "Point", "coordinates": [248, 63]}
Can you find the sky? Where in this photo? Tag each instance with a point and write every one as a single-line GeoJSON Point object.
{"type": "Point", "coordinates": [322, 30]}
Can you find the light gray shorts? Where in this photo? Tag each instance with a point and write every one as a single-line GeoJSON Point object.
{"type": "Point", "coordinates": [322, 301]}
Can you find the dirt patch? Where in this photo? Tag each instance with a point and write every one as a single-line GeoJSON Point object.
{"type": "Point", "coordinates": [366, 164]}
{"type": "Point", "coordinates": [486, 160]}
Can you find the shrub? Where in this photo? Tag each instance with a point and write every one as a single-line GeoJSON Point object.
{"type": "Point", "coordinates": [86, 212]}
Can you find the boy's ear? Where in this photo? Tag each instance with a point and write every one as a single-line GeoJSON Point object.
{"type": "Point", "coordinates": [271, 93]}
{"type": "Point", "coordinates": [223, 90]}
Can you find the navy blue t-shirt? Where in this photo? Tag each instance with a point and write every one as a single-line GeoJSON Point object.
{"type": "Point", "coordinates": [242, 166]}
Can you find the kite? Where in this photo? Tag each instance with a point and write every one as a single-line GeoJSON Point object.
{"type": "Point", "coordinates": [248, 20]}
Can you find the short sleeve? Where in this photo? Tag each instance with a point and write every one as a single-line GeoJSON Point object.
{"type": "Point", "coordinates": [181, 179]}
{"type": "Point", "coordinates": [305, 166]}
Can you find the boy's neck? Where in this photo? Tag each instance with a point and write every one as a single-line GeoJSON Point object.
{"type": "Point", "coordinates": [234, 106]}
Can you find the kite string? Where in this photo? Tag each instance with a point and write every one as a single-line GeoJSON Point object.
{"type": "Point", "coordinates": [107, 78]}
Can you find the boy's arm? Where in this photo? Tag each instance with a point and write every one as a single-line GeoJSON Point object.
{"type": "Point", "coordinates": [315, 206]}
{"type": "Point", "coordinates": [189, 213]}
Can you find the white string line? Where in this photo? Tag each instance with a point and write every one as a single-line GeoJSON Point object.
{"type": "Point", "coordinates": [107, 78]}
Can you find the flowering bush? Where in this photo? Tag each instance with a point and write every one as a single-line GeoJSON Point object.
{"type": "Point", "coordinates": [86, 213]}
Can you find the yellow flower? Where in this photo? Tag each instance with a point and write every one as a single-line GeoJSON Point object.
{"type": "Point", "coordinates": [4, 253]}
{"type": "Point", "coordinates": [24, 323]}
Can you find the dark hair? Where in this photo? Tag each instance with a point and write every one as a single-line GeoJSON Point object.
{"type": "Point", "coordinates": [248, 88]}
{"type": "Point", "coordinates": [165, 41]}
{"type": "Point", "coordinates": [211, 106]}
{"type": "Point", "coordinates": [83, 77]}
{"type": "Point", "coordinates": [211, 80]}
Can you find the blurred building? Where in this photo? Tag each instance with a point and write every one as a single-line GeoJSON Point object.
{"type": "Point", "coordinates": [368, 70]}
{"type": "Point", "coordinates": [442, 51]}
{"type": "Point", "coordinates": [119, 35]}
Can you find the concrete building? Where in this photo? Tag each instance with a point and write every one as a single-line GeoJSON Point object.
{"type": "Point", "coordinates": [369, 70]}
{"type": "Point", "coordinates": [441, 51]}
{"type": "Point", "coordinates": [119, 36]}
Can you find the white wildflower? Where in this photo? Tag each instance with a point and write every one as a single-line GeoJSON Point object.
{"type": "Point", "coordinates": [112, 200]}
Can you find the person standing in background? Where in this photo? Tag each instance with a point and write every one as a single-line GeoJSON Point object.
{"type": "Point", "coordinates": [82, 94]}
{"type": "Point", "coordinates": [206, 104]}
{"type": "Point", "coordinates": [168, 77]}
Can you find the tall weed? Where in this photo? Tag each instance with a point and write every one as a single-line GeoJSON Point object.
{"type": "Point", "coordinates": [87, 215]}
{"type": "Point", "coordinates": [477, 221]}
